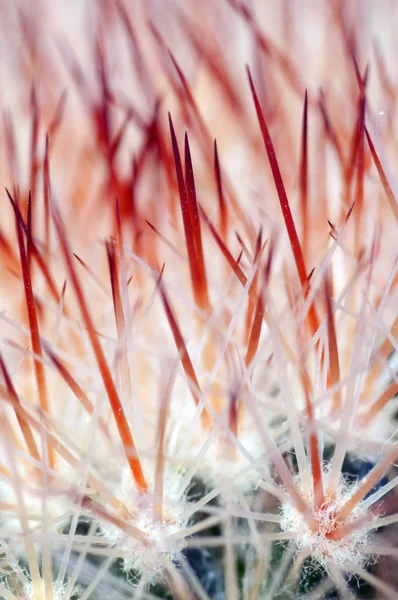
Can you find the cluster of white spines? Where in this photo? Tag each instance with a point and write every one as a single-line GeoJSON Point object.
{"type": "Point", "coordinates": [156, 523]}
{"type": "Point", "coordinates": [318, 542]}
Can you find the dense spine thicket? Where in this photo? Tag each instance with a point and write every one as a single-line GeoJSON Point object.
{"type": "Point", "coordinates": [198, 300]}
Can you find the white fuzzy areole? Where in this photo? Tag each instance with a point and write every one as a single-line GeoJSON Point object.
{"type": "Point", "coordinates": [31, 594]}
{"type": "Point", "coordinates": [150, 556]}
{"type": "Point", "coordinates": [349, 549]}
